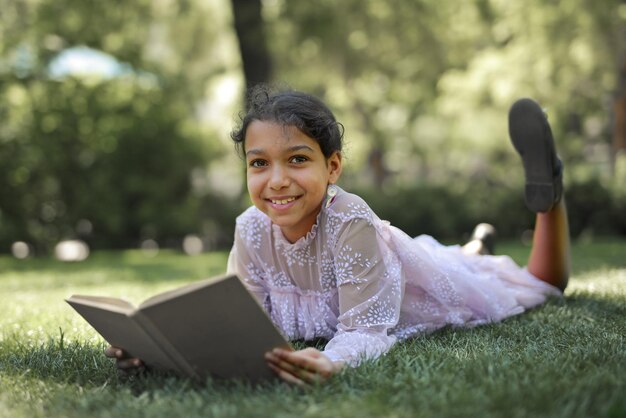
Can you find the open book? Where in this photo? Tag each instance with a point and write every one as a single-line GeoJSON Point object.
{"type": "Point", "coordinates": [214, 327]}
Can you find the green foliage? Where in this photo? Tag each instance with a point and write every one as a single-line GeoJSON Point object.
{"type": "Point", "coordinates": [117, 154]}
{"type": "Point", "coordinates": [450, 212]}
{"type": "Point", "coordinates": [109, 154]}
{"type": "Point", "coordinates": [429, 83]}
{"type": "Point", "coordinates": [591, 206]}
{"type": "Point", "coordinates": [564, 359]}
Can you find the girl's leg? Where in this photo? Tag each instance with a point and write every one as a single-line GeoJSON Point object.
{"type": "Point", "coordinates": [532, 138]}
{"type": "Point", "coordinates": [549, 257]}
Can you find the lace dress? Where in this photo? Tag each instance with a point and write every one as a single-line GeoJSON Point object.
{"type": "Point", "coordinates": [364, 285]}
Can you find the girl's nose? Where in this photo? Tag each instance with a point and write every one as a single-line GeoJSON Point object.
{"type": "Point", "coordinates": [279, 178]}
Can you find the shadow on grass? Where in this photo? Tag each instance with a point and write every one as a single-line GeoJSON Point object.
{"type": "Point", "coordinates": [56, 361]}
{"type": "Point", "coordinates": [84, 364]}
{"type": "Point", "coordinates": [597, 306]}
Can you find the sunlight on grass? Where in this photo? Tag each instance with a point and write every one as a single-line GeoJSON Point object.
{"type": "Point", "coordinates": [564, 359]}
{"type": "Point", "coordinates": [35, 289]}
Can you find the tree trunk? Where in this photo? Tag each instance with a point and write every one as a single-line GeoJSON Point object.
{"type": "Point", "coordinates": [619, 114]}
{"type": "Point", "coordinates": [255, 57]}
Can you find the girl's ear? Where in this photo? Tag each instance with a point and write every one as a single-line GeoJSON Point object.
{"type": "Point", "coordinates": [334, 167]}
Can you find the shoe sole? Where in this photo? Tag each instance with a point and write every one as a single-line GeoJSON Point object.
{"type": "Point", "coordinates": [532, 138]}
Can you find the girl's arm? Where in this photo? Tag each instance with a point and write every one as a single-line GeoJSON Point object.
{"type": "Point", "coordinates": [370, 287]}
{"type": "Point", "coordinates": [370, 294]}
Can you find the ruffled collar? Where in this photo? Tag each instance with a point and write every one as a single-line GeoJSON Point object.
{"type": "Point", "coordinates": [304, 241]}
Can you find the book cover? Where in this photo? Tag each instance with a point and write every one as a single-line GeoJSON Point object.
{"type": "Point", "coordinates": [214, 327]}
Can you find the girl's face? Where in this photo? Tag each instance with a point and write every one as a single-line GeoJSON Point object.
{"type": "Point", "coordinates": [288, 175]}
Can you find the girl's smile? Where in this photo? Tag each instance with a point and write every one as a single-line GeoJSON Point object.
{"type": "Point", "coordinates": [282, 203]}
{"type": "Point", "coordinates": [287, 175]}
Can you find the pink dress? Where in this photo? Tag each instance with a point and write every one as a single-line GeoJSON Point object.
{"type": "Point", "coordinates": [364, 284]}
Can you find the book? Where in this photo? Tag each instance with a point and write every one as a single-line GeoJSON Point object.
{"type": "Point", "coordinates": [213, 327]}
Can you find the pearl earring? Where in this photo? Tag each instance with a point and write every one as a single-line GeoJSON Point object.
{"type": "Point", "coordinates": [331, 192]}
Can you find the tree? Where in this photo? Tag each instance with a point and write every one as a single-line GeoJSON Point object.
{"type": "Point", "coordinates": [619, 111]}
{"type": "Point", "coordinates": [249, 26]}
{"type": "Point", "coordinates": [425, 86]}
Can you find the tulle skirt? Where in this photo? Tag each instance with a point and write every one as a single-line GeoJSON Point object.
{"type": "Point", "coordinates": [444, 286]}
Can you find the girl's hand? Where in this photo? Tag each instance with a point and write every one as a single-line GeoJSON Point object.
{"type": "Point", "coordinates": [301, 367]}
{"type": "Point", "coordinates": [125, 364]}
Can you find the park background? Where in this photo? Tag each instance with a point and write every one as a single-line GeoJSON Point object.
{"type": "Point", "coordinates": [115, 116]}
{"type": "Point", "coordinates": [114, 131]}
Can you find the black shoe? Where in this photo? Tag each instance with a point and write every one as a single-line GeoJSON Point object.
{"type": "Point", "coordinates": [486, 234]}
{"type": "Point", "coordinates": [532, 138]}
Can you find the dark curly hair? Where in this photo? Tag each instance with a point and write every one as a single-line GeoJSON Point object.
{"type": "Point", "coordinates": [290, 108]}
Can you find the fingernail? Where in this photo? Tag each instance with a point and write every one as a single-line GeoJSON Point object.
{"type": "Point", "coordinates": [118, 353]}
{"type": "Point", "coordinates": [137, 362]}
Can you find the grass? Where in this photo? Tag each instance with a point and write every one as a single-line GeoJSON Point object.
{"type": "Point", "coordinates": [564, 359]}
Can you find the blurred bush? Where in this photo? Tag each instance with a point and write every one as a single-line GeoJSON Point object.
{"type": "Point", "coordinates": [108, 162]}
{"type": "Point", "coordinates": [595, 208]}
{"type": "Point", "coordinates": [450, 212]}
{"type": "Point", "coordinates": [109, 150]}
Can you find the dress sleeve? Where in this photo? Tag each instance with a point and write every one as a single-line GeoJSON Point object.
{"type": "Point", "coordinates": [241, 261]}
{"type": "Point", "coordinates": [370, 287]}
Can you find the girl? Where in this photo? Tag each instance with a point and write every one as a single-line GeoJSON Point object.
{"type": "Point", "coordinates": [325, 266]}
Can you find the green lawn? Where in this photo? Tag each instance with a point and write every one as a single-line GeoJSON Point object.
{"type": "Point", "coordinates": [564, 359]}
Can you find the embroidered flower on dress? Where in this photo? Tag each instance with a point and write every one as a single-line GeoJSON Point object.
{"type": "Point", "coordinates": [328, 275]}
{"type": "Point", "coordinates": [346, 262]}
{"type": "Point", "coordinates": [251, 226]}
{"type": "Point", "coordinates": [300, 256]}
{"type": "Point", "coordinates": [380, 312]}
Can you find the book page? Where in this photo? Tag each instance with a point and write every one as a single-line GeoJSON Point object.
{"type": "Point", "coordinates": [219, 329]}
{"type": "Point", "coordinates": [171, 294]}
{"type": "Point", "coordinates": [115, 304]}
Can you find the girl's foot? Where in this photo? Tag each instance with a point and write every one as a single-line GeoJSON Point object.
{"type": "Point", "coordinates": [482, 240]}
{"type": "Point", "coordinates": [532, 138]}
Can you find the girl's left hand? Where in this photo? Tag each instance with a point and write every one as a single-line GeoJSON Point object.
{"type": "Point", "coordinates": [301, 367]}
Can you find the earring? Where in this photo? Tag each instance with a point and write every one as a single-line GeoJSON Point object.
{"type": "Point", "coordinates": [331, 192]}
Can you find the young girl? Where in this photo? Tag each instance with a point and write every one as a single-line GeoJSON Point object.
{"type": "Point", "coordinates": [323, 265]}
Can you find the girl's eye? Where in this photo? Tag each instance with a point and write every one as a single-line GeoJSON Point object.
{"type": "Point", "coordinates": [298, 159]}
{"type": "Point", "coordinates": [257, 163]}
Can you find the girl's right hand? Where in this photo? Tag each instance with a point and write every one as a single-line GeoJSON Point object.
{"type": "Point", "coordinates": [125, 364]}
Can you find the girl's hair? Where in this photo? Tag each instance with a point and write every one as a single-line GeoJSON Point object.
{"type": "Point", "coordinates": [290, 108]}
